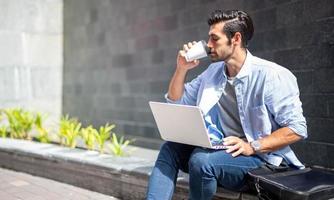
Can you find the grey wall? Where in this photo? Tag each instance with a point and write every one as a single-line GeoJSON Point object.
{"type": "Point", "coordinates": [31, 55]}
{"type": "Point", "coordinates": [121, 54]}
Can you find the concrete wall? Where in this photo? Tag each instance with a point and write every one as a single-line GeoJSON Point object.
{"type": "Point", "coordinates": [121, 54]}
{"type": "Point", "coordinates": [31, 52]}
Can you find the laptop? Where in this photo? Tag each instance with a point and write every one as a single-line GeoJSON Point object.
{"type": "Point", "coordinates": [182, 124]}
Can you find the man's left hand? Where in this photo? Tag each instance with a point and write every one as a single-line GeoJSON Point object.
{"type": "Point", "coordinates": [237, 146]}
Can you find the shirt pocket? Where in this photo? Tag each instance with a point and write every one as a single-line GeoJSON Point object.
{"type": "Point", "coordinates": [260, 122]}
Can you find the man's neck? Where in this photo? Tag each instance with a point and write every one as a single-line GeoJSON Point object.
{"type": "Point", "coordinates": [235, 64]}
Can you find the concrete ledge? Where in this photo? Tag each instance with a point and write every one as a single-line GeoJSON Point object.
{"type": "Point", "coordinates": [122, 177]}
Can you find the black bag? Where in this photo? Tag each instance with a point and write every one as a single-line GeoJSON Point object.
{"type": "Point", "coordinates": [288, 184]}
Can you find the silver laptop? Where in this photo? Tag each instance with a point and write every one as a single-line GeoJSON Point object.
{"type": "Point", "coordinates": [182, 124]}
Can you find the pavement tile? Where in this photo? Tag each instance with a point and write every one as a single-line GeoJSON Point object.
{"type": "Point", "coordinates": [4, 185]}
{"type": "Point", "coordinates": [20, 186]}
{"type": "Point", "coordinates": [24, 195]}
{"type": "Point", "coordinates": [19, 183]}
{"type": "Point", "coordinates": [12, 190]}
{"type": "Point", "coordinates": [6, 196]}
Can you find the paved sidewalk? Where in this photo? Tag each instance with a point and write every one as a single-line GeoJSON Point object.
{"type": "Point", "coordinates": [20, 186]}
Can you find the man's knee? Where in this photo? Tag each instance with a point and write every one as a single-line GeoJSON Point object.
{"type": "Point", "coordinates": [166, 146]}
{"type": "Point", "coordinates": [173, 146]}
{"type": "Point", "coordinates": [175, 153]}
{"type": "Point", "coordinates": [199, 162]}
{"type": "Point", "coordinates": [167, 150]}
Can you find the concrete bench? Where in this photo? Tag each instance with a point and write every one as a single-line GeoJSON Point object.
{"type": "Point", "coordinates": [122, 177]}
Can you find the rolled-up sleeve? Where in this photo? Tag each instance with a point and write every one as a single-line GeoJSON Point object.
{"type": "Point", "coordinates": [190, 93]}
{"type": "Point", "coordinates": [282, 100]}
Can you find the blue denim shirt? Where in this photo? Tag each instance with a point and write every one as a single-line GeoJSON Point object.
{"type": "Point", "coordinates": [267, 96]}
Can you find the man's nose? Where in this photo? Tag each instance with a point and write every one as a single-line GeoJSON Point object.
{"type": "Point", "coordinates": [209, 44]}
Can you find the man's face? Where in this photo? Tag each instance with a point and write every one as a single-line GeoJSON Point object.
{"type": "Point", "coordinates": [221, 48]}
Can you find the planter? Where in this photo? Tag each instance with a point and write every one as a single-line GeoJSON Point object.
{"type": "Point", "coordinates": [123, 177]}
{"type": "Point", "coordinates": [103, 173]}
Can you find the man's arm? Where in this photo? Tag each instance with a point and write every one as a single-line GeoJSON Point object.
{"type": "Point", "coordinates": [277, 140]}
{"type": "Point", "coordinates": [176, 85]}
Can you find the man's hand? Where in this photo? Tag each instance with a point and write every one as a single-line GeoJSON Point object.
{"type": "Point", "coordinates": [176, 85]}
{"type": "Point", "coordinates": [181, 62]}
{"type": "Point", "coordinates": [237, 146]}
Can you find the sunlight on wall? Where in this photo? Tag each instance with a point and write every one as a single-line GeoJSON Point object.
{"type": "Point", "coordinates": [31, 51]}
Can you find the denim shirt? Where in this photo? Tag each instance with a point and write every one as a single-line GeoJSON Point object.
{"type": "Point", "coordinates": [267, 99]}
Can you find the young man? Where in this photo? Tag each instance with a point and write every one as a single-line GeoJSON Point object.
{"type": "Point", "coordinates": [252, 102]}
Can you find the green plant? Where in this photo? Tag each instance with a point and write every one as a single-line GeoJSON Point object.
{"type": "Point", "coordinates": [69, 129]}
{"type": "Point", "coordinates": [3, 128]}
{"type": "Point", "coordinates": [43, 135]}
{"type": "Point", "coordinates": [89, 136]}
{"type": "Point", "coordinates": [1, 114]}
{"type": "Point", "coordinates": [3, 131]}
{"type": "Point", "coordinates": [118, 146]}
{"type": "Point", "coordinates": [20, 122]}
{"type": "Point", "coordinates": [103, 135]}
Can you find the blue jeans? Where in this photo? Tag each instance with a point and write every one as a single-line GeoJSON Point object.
{"type": "Point", "coordinates": [207, 168]}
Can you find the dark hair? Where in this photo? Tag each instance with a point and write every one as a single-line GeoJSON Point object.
{"type": "Point", "coordinates": [235, 21]}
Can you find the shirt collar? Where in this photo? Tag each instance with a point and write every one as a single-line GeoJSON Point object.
{"type": "Point", "coordinates": [245, 69]}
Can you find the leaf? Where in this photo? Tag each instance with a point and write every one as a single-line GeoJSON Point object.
{"type": "Point", "coordinates": [114, 139]}
{"type": "Point", "coordinates": [3, 131]}
{"type": "Point", "coordinates": [118, 146]}
{"type": "Point", "coordinates": [113, 149]}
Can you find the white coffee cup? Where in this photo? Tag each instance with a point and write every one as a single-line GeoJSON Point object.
{"type": "Point", "coordinates": [197, 51]}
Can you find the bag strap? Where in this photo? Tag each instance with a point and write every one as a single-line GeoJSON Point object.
{"type": "Point", "coordinates": [261, 195]}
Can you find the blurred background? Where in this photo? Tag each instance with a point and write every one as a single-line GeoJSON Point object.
{"type": "Point", "coordinates": [103, 60]}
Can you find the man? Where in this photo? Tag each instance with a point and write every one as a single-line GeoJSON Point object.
{"type": "Point", "coordinates": [254, 103]}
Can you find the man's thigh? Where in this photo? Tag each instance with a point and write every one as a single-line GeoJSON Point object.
{"type": "Point", "coordinates": [229, 171]}
{"type": "Point", "coordinates": [177, 153]}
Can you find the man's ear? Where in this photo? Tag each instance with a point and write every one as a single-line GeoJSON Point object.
{"type": "Point", "coordinates": [236, 39]}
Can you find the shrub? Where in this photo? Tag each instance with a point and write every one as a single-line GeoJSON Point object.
{"type": "Point", "coordinates": [89, 136]}
{"type": "Point", "coordinates": [43, 135]}
{"type": "Point", "coordinates": [103, 135]}
{"type": "Point", "coordinates": [1, 114]}
{"type": "Point", "coordinates": [69, 129]}
{"type": "Point", "coordinates": [20, 123]}
{"type": "Point", "coordinates": [118, 146]}
{"type": "Point", "coordinates": [3, 128]}
{"type": "Point", "coordinates": [3, 131]}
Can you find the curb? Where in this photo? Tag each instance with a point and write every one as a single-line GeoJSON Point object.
{"type": "Point", "coordinates": [121, 177]}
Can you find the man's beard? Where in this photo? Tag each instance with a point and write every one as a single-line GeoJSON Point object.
{"type": "Point", "coordinates": [216, 58]}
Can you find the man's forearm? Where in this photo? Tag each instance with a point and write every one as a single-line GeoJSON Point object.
{"type": "Point", "coordinates": [176, 85]}
{"type": "Point", "coordinates": [278, 139]}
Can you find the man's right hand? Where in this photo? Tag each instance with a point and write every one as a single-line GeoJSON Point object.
{"type": "Point", "coordinates": [181, 62]}
{"type": "Point", "coordinates": [176, 85]}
